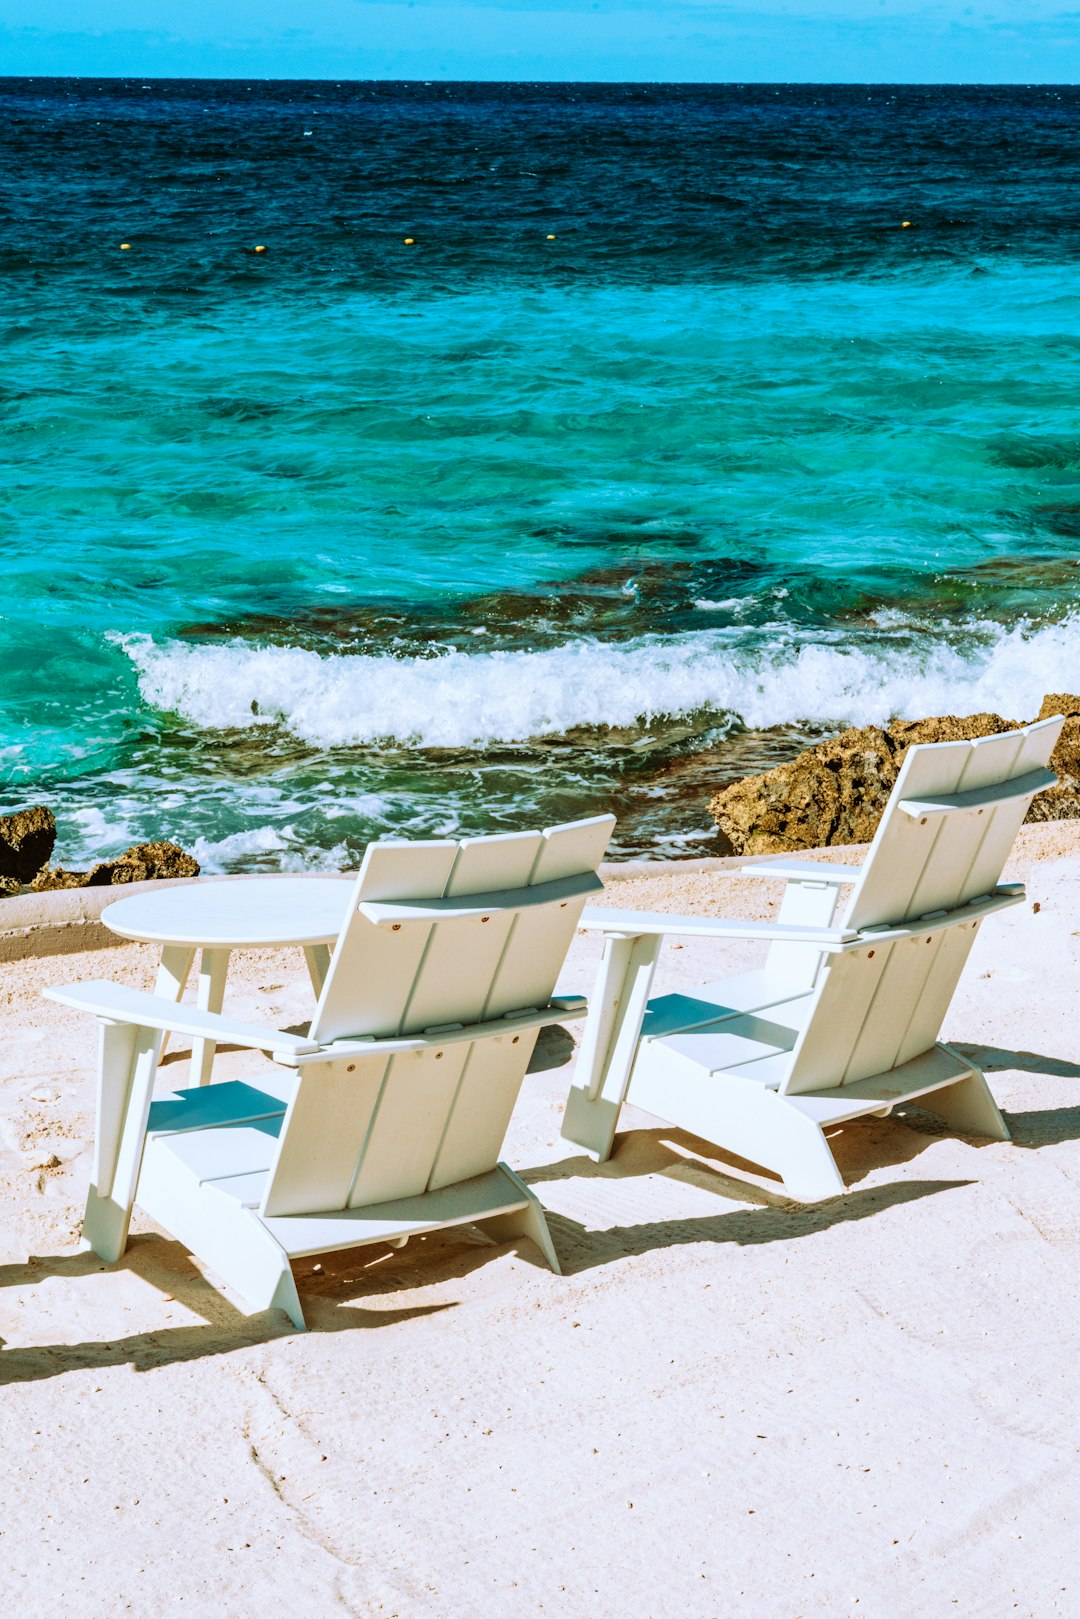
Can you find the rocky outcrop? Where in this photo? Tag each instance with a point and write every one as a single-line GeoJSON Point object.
{"type": "Point", "coordinates": [835, 792]}
{"type": "Point", "coordinates": [26, 843]}
{"type": "Point", "coordinates": [1061, 803]}
{"type": "Point", "coordinates": [27, 840]}
{"type": "Point", "coordinates": [143, 862]}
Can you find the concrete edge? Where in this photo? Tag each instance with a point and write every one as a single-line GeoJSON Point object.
{"type": "Point", "coordinates": [64, 921]}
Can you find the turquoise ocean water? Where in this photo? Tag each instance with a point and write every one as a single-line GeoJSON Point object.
{"type": "Point", "coordinates": [664, 447]}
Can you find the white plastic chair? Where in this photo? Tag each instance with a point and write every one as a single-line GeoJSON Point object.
{"type": "Point", "coordinates": [399, 1096]}
{"type": "Point", "coordinates": [841, 1021]}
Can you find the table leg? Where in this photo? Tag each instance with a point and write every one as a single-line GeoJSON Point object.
{"type": "Point", "coordinates": [213, 966]}
{"type": "Point", "coordinates": [317, 957]}
{"type": "Point", "coordinates": [172, 975]}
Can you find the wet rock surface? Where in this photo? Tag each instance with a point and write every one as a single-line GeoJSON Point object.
{"type": "Point", "coordinates": [143, 862]}
{"type": "Point", "coordinates": [835, 792]}
{"type": "Point", "coordinates": [1061, 803]}
{"type": "Point", "coordinates": [27, 839]}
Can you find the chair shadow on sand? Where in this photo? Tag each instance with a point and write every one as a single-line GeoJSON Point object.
{"type": "Point", "coordinates": [439, 1259]}
{"type": "Point", "coordinates": [1042, 1127]}
{"type": "Point", "coordinates": [221, 1330]}
{"type": "Point", "coordinates": [443, 1258]}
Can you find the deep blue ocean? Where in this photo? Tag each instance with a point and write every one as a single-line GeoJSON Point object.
{"type": "Point", "coordinates": [565, 446]}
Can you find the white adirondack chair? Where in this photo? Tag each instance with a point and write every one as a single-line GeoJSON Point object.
{"type": "Point", "coordinates": [400, 1094]}
{"type": "Point", "coordinates": [840, 1022]}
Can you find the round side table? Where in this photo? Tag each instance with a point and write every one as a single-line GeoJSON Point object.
{"type": "Point", "coordinates": [240, 913]}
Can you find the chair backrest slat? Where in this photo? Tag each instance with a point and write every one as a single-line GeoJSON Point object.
{"type": "Point", "coordinates": [487, 1091]}
{"type": "Point", "coordinates": [315, 1167]}
{"type": "Point", "coordinates": [537, 944]}
{"type": "Point", "coordinates": [416, 1099]}
{"type": "Point", "coordinates": [1037, 744]}
{"type": "Point", "coordinates": [881, 1005]}
{"type": "Point", "coordinates": [954, 847]}
{"type": "Point", "coordinates": [461, 958]}
{"type": "Point", "coordinates": [947, 959]}
{"type": "Point", "coordinates": [380, 1128]}
{"type": "Point", "coordinates": [370, 975]}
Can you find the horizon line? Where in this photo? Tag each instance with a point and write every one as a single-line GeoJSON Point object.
{"type": "Point", "coordinates": [340, 79]}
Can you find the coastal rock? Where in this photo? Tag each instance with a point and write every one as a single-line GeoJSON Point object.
{"type": "Point", "coordinates": [26, 842]}
{"type": "Point", "coordinates": [835, 792]}
{"type": "Point", "coordinates": [142, 863]}
{"type": "Point", "coordinates": [56, 877]}
{"type": "Point", "coordinates": [1061, 803]}
{"type": "Point", "coordinates": [904, 734]}
{"type": "Point", "coordinates": [827, 795]}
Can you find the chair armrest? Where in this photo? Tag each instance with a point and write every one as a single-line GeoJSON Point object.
{"type": "Point", "coordinates": [637, 923]}
{"type": "Point", "coordinates": [931, 922]}
{"type": "Point", "coordinates": [560, 890]}
{"type": "Point", "coordinates": [560, 1009]}
{"type": "Point", "coordinates": [119, 1004]}
{"type": "Point", "coordinates": [804, 871]}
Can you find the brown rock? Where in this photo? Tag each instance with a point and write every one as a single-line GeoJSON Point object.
{"type": "Point", "coordinates": [26, 842]}
{"type": "Point", "coordinates": [831, 794]}
{"type": "Point", "coordinates": [1061, 803]}
{"type": "Point", "coordinates": [1065, 758]}
{"type": "Point", "coordinates": [142, 863]}
{"type": "Point", "coordinates": [1058, 703]}
{"type": "Point", "coordinates": [903, 734]}
{"type": "Point", "coordinates": [56, 877]}
{"type": "Point", "coordinates": [835, 792]}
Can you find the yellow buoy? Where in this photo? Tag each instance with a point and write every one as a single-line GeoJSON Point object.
{"type": "Point", "coordinates": [904, 223]}
{"type": "Point", "coordinates": [125, 246]}
{"type": "Point", "coordinates": [551, 238]}
{"type": "Point", "coordinates": [260, 248]}
{"type": "Point", "coordinates": [409, 240]}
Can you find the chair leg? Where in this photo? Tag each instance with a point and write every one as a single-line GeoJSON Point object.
{"type": "Point", "coordinates": [778, 1132]}
{"type": "Point", "coordinates": [591, 1123]}
{"type": "Point", "coordinates": [285, 1297]}
{"type": "Point", "coordinates": [127, 1065]}
{"type": "Point", "coordinates": [253, 1265]}
{"type": "Point", "coordinates": [609, 1042]}
{"type": "Point", "coordinates": [317, 957]}
{"type": "Point", "coordinates": [105, 1226]}
{"type": "Point", "coordinates": [213, 968]}
{"type": "Point", "coordinates": [176, 960]}
{"type": "Point", "coordinates": [527, 1222]}
{"type": "Point", "coordinates": [803, 1158]}
{"type": "Point", "coordinates": [968, 1106]}
{"type": "Point", "coordinates": [230, 1240]}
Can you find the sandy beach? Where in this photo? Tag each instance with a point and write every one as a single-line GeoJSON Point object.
{"type": "Point", "coordinates": [730, 1405]}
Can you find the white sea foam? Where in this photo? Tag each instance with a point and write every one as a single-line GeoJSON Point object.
{"type": "Point", "coordinates": [269, 847]}
{"type": "Point", "coordinates": [457, 700]}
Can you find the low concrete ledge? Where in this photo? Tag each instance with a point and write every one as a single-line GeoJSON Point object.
{"type": "Point", "coordinates": [61, 921]}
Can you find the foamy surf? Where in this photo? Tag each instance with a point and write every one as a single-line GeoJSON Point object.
{"type": "Point", "coordinates": [458, 700]}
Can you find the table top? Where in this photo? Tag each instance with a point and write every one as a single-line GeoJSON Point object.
{"type": "Point", "coordinates": [235, 912]}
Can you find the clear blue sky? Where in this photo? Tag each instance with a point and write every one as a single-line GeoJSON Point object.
{"type": "Point", "coordinates": [905, 41]}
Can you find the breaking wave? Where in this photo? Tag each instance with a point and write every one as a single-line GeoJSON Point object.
{"type": "Point", "coordinates": [765, 678]}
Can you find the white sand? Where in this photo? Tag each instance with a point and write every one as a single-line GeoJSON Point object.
{"type": "Point", "coordinates": [730, 1406]}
